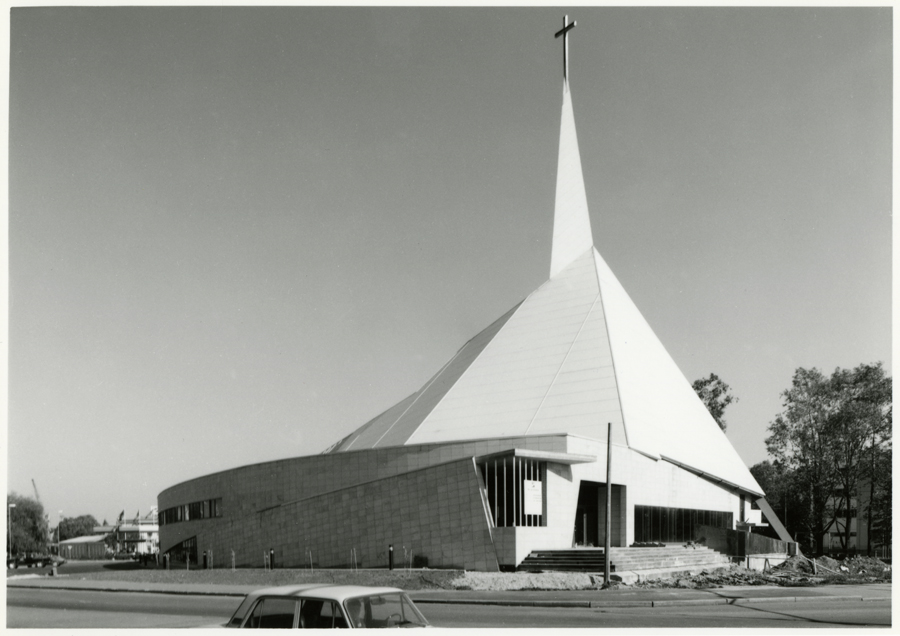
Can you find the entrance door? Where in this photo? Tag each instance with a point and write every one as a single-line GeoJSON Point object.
{"type": "Point", "coordinates": [587, 515]}
{"type": "Point", "coordinates": [590, 515]}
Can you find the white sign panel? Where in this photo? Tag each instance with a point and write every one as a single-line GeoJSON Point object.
{"type": "Point", "coordinates": [534, 498]}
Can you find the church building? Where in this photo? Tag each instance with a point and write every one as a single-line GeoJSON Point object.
{"type": "Point", "coordinates": [506, 449]}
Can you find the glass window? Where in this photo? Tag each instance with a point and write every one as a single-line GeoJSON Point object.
{"type": "Point", "coordinates": [331, 616]}
{"type": "Point", "coordinates": [661, 524]}
{"type": "Point", "coordinates": [273, 613]}
{"type": "Point", "coordinates": [253, 620]}
{"type": "Point", "coordinates": [383, 610]}
{"type": "Point", "coordinates": [311, 614]}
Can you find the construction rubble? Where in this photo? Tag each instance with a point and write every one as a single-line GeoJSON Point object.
{"type": "Point", "coordinates": [798, 571]}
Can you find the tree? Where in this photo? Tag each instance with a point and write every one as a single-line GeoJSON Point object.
{"type": "Point", "coordinates": [716, 395]}
{"type": "Point", "coordinates": [881, 505]}
{"type": "Point", "coordinates": [861, 428]}
{"type": "Point", "coordinates": [869, 403]}
{"type": "Point", "coordinates": [29, 527]}
{"type": "Point", "coordinates": [830, 426]}
{"type": "Point", "coordinates": [71, 527]}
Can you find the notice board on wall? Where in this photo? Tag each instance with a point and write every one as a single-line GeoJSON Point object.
{"type": "Point", "coordinates": [534, 498]}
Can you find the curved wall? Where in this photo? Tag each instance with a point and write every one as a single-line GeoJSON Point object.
{"type": "Point", "coordinates": [346, 508]}
{"type": "Point", "coordinates": [425, 499]}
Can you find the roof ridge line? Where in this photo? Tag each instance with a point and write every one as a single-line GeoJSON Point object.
{"type": "Point", "coordinates": [418, 394]}
{"type": "Point", "coordinates": [612, 355]}
{"type": "Point", "coordinates": [471, 364]}
{"type": "Point", "coordinates": [565, 358]}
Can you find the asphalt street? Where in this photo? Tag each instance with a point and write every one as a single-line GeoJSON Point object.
{"type": "Point", "coordinates": [54, 608]}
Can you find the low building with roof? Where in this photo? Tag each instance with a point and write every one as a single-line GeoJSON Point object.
{"type": "Point", "coordinates": [138, 535]}
{"type": "Point", "coordinates": [88, 547]}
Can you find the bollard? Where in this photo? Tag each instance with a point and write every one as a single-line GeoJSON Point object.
{"type": "Point", "coordinates": [391, 556]}
{"type": "Point", "coordinates": [271, 558]}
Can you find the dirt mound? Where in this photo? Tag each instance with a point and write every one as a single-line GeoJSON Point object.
{"type": "Point", "coordinates": [736, 575]}
{"type": "Point", "coordinates": [828, 563]}
{"type": "Point", "coordinates": [858, 565]}
{"type": "Point", "coordinates": [526, 581]}
{"type": "Point", "coordinates": [795, 564]}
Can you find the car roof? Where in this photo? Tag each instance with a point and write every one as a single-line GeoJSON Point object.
{"type": "Point", "coordinates": [324, 591]}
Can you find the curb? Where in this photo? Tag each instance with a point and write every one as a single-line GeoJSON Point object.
{"type": "Point", "coordinates": [739, 600]}
{"type": "Point", "coordinates": [127, 591]}
{"type": "Point", "coordinates": [748, 600]}
{"type": "Point", "coordinates": [502, 602]}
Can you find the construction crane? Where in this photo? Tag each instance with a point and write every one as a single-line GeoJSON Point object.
{"type": "Point", "coordinates": [36, 495]}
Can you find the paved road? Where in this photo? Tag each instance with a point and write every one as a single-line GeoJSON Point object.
{"type": "Point", "coordinates": [772, 615]}
{"type": "Point", "coordinates": [49, 608]}
{"type": "Point", "coordinates": [63, 608]}
{"type": "Point", "coordinates": [78, 567]}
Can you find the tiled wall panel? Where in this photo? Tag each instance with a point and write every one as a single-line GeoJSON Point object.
{"type": "Point", "coordinates": [436, 513]}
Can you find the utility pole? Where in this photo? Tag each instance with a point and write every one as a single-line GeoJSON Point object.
{"type": "Point", "coordinates": [607, 542]}
{"type": "Point", "coordinates": [9, 525]}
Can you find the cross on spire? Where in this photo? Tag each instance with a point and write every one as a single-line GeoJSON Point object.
{"type": "Point", "coordinates": [564, 32]}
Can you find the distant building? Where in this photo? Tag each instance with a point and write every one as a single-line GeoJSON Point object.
{"type": "Point", "coordinates": [859, 526]}
{"type": "Point", "coordinates": [88, 547]}
{"type": "Point", "coordinates": [139, 535]}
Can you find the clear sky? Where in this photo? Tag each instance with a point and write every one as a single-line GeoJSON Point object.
{"type": "Point", "coordinates": [237, 234]}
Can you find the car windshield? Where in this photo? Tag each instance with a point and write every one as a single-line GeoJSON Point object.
{"type": "Point", "coordinates": [392, 609]}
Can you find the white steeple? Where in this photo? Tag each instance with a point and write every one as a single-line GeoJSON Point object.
{"type": "Point", "coordinates": [575, 355]}
{"type": "Point", "coordinates": [571, 222]}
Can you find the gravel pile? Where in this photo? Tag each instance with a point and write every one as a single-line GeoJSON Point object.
{"type": "Point", "coordinates": [795, 572]}
{"type": "Point", "coordinates": [527, 581]}
{"type": "Point", "coordinates": [736, 575]}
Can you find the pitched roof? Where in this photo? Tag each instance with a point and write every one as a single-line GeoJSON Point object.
{"type": "Point", "coordinates": [91, 538]}
{"type": "Point", "coordinates": [574, 355]}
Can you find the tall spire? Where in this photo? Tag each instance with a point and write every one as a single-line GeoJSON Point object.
{"type": "Point", "coordinates": [571, 222]}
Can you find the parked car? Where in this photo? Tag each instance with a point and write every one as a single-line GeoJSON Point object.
{"type": "Point", "coordinates": [319, 606]}
{"type": "Point", "coordinates": [33, 559]}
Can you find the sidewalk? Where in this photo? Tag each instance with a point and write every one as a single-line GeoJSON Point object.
{"type": "Point", "coordinates": [572, 598]}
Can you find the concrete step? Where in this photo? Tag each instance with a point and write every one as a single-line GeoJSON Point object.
{"type": "Point", "coordinates": [679, 558]}
{"type": "Point", "coordinates": [662, 559]}
{"type": "Point", "coordinates": [586, 560]}
{"type": "Point", "coordinates": [668, 561]}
